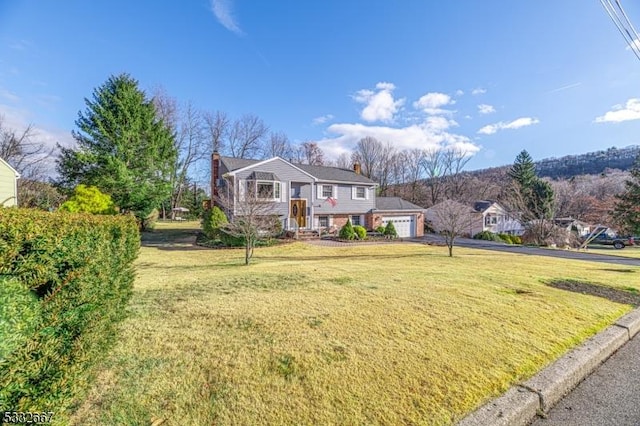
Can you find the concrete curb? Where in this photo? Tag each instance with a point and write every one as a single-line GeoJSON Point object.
{"type": "Point", "coordinates": [520, 404]}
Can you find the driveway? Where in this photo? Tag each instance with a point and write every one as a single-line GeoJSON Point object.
{"type": "Point", "coordinates": [535, 251]}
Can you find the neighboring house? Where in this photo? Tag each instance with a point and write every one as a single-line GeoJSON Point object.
{"type": "Point", "coordinates": [313, 197]}
{"type": "Point", "coordinates": [483, 216]}
{"type": "Point", "coordinates": [570, 224]}
{"type": "Point", "coordinates": [8, 184]}
{"type": "Point", "coordinates": [496, 219]}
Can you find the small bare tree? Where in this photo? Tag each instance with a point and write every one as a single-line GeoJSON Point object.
{"type": "Point", "coordinates": [311, 154]}
{"type": "Point", "coordinates": [278, 145]}
{"type": "Point", "coordinates": [252, 212]}
{"type": "Point", "coordinates": [453, 220]}
{"type": "Point", "coordinates": [216, 127]}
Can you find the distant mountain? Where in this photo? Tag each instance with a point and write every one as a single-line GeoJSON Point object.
{"type": "Point", "coordinates": [591, 163]}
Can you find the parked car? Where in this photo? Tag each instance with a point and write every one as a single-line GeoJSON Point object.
{"type": "Point", "coordinates": [612, 240]}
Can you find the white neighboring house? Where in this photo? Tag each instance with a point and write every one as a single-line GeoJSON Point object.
{"type": "Point", "coordinates": [484, 215]}
{"type": "Point", "coordinates": [496, 219]}
{"type": "Point", "coordinates": [8, 184]}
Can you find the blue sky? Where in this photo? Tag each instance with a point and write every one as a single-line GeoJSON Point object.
{"type": "Point", "coordinates": [553, 77]}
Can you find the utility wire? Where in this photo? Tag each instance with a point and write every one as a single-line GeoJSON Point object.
{"type": "Point", "coordinates": [636, 37]}
{"type": "Point", "coordinates": [632, 42]}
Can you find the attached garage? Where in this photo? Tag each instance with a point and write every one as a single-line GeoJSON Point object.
{"type": "Point", "coordinates": [405, 225]}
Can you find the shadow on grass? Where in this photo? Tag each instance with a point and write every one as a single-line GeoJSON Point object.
{"type": "Point", "coordinates": [627, 297]}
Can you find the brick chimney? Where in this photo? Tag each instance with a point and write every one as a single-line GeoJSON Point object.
{"type": "Point", "coordinates": [356, 168]}
{"type": "Point", "coordinates": [215, 175]}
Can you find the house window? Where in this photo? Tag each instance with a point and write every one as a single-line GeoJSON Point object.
{"type": "Point", "coordinates": [327, 191]}
{"type": "Point", "coordinates": [323, 221]}
{"type": "Point", "coordinates": [490, 220]}
{"type": "Point", "coordinates": [265, 190]}
{"type": "Point", "coordinates": [360, 193]}
{"type": "Point", "coordinates": [355, 220]}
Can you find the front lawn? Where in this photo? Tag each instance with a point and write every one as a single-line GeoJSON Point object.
{"type": "Point", "coordinates": [388, 334]}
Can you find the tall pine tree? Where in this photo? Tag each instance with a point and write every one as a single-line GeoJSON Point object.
{"type": "Point", "coordinates": [627, 209]}
{"type": "Point", "coordinates": [123, 148]}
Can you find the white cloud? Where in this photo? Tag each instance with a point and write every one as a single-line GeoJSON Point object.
{"type": "Point", "coordinates": [459, 92]}
{"type": "Point", "coordinates": [379, 105]}
{"type": "Point", "coordinates": [433, 133]}
{"type": "Point", "coordinates": [322, 119]}
{"type": "Point", "coordinates": [490, 129]}
{"type": "Point", "coordinates": [222, 9]}
{"type": "Point", "coordinates": [486, 109]}
{"type": "Point", "coordinates": [619, 113]}
{"type": "Point", "coordinates": [431, 103]}
{"type": "Point", "coordinates": [478, 91]}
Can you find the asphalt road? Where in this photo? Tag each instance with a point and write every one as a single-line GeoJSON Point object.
{"type": "Point", "coordinates": [609, 396]}
{"type": "Point", "coordinates": [565, 254]}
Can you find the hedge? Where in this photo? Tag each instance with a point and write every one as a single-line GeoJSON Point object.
{"type": "Point", "coordinates": [65, 280]}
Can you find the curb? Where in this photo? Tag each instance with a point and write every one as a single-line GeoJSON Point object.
{"type": "Point", "coordinates": [523, 401]}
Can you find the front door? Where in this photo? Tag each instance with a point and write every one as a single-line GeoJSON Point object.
{"type": "Point", "coordinates": [299, 212]}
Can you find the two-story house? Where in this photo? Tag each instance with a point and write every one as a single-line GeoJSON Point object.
{"type": "Point", "coordinates": [312, 197]}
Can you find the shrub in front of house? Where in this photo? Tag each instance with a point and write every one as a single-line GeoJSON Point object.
{"type": "Point", "coordinates": [380, 229]}
{"type": "Point", "coordinates": [390, 230]}
{"type": "Point", "coordinates": [213, 219]}
{"type": "Point", "coordinates": [66, 280]}
{"type": "Point", "coordinates": [360, 232]}
{"type": "Point", "coordinates": [487, 236]}
{"type": "Point", "coordinates": [347, 232]}
{"type": "Point", "coordinates": [516, 239]}
{"type": "Point", "coordinates": [506, 238]}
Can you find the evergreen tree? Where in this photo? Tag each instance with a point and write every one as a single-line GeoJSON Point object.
{"type": "Point", "coordinates": [523, 170]}
{"type": "Point", "coordinates": [123, 148]}
{"type": "Point", "coordinates": [627, 208]}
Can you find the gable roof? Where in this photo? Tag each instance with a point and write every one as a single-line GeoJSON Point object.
{"type": "Point", "coordinates": [2, 161]}
{"type": "Point", "coordinates": [482, 205]}
{"type": "Point", "coordinates": [323, 173]}
{"type": "Point", "coordinates": [394, 204]}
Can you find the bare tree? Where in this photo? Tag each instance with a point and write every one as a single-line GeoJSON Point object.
{"type": "Point", "coordinates": [414, 163]}
{"type": "Point", "coordinates": [191, 143]}
{"type": "Point", "coordinates": [384, 175]}
{"type": "Point", "coordinates": [216, 128]}
{"type": "Point", "coordinates": [23, 152]}
{"type": "Point", "coordinates": [246, 136]}
{"type": "Point", "coordinates": [311, 154]}
{"type": "Point", "coordinates": [252, 212]}
{"type": "Point", "coordinates": [454, 161]}
{"type": "Point", "coordinates": [435, 169]}
{"type": "Point", "coordinates": [343, 161]}
{"type": "Point", "coordinates": [368, 152]}
{"type": "Point", "coordinates": [453, 220]}
{"type": "Point", "coordinates": [278, 145]}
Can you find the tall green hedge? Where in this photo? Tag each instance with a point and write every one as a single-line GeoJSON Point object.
{"type": "Point", "coordinates": [65, 280]}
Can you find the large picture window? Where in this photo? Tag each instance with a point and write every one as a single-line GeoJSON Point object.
{"type": "Point", "coordinates": [264, 190]}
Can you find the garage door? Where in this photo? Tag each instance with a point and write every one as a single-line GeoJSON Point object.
{"type": "Point", "coordinates": [405, 225]}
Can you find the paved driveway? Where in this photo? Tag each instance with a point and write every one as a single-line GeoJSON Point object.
{"type": "Point", "coordinates": [565, 254]}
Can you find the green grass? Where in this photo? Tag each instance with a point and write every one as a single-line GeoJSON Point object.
{"type": "Point", "coordinates": [389, 334]}
{"type": "Point", "coordinates": [630, 251]}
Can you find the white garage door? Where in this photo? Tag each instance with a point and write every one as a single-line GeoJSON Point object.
{"type": "Point", "coordinates": [405, 225]}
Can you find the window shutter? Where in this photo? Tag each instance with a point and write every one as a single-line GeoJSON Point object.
{"type": "Point", "coordinates": [366, 193]}
{"type": "Point", "coordinates": [319, 191]}
{"type": "Point", "coordinates": [354, 192]}
{"type": "Point", "coordinates": [242, 186]}
{"type": "Point", "coordinates": [335, 192]}
{"type": "Point", "coordinates": [283, 192]}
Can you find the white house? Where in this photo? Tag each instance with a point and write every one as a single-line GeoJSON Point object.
{"type": "Point", "coordinates": [8, 184]}
{"type": "Point", "coordinates": [482, 216]}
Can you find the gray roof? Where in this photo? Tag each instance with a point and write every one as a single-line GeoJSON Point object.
{"type": "Point", "coordinates": [334, 174]}
{"type": "Point", "coordinates": [394, 204]}
{"type": "Point", "coordinates": [323, 173]}
{"type": "Point", "coordinates": [231, 163]}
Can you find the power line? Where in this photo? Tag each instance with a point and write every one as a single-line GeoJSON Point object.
{"type": "Point", "coordinates": [623, 24]}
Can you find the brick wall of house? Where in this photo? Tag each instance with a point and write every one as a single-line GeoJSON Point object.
{"type": "Point", "coordinates": [340, 220]}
